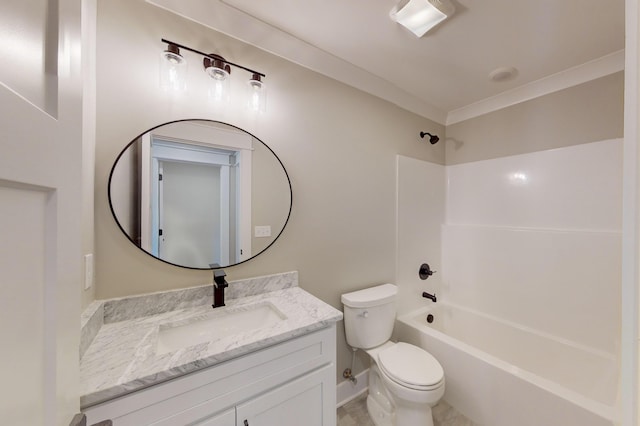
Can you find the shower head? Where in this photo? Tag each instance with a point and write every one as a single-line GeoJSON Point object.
{"type": "Point", "coordinates": [432, 138]}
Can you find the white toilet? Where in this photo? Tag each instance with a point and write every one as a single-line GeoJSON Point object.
{"type": "Point", "coordinates": [405, 381]}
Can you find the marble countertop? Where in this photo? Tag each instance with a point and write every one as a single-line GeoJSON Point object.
{"type": "Point", "coordinates": [123, 355]}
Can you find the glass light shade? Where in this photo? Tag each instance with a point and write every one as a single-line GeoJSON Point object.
{"type": "Point", "coordinates": [173, 70]}
{"type": "Point", "coordinates": [419, 16]}
{"type": "Point", "coordinates": [219, 88]}
{"type": "Point", "coordinates": [219, 71]}
{"type": "Point", "coordinates": [257, 94]}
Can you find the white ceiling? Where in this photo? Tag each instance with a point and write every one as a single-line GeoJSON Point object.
{"type": "Point", "coordinates": [443, 75]}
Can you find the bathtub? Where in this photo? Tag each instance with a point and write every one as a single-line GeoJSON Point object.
{"type": "Point", "coordinates": [502, 374]}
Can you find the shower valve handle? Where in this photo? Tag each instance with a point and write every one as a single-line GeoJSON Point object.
{"type": "Point", "coordinates": [425, 271]}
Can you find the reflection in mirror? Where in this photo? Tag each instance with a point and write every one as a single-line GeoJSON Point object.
{"type": "Point", "coordinates": [197, 193]}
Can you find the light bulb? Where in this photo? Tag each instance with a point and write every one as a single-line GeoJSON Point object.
{"type": "Point", "coordinates": [217, 73]}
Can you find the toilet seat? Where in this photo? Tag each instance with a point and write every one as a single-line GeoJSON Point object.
{"type": "Point", "coordinates": [411, 366]}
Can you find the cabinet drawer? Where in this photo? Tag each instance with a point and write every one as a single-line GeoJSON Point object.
{"type": "Point", "coordinates": [226, 418]}
{"type": "Point", "coordinates": [223, 385]}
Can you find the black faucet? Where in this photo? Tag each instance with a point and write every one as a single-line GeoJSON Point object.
{"type": "Point", "coordinates": [219, 284]}
{"type": "Point", "coordinates": [429, 296]}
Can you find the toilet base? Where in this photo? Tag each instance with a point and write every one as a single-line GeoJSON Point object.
{"type": "Point", "coordinates": [405, 416]}
{"type": "Point", "coordinates": [378, 414]}
{"type": "Point", "coordinates": [386, 410]}
{"type": "Point", "coordinates": [413, 414]}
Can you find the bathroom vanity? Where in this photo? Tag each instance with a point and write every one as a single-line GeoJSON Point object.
{"type": "Point", "coordinates": [271, 362]}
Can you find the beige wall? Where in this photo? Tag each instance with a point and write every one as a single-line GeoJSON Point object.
{"type": "Point", "coordinates": [589, 112]}
{"type": "Point", "coordinates": [338, 144]}
{"type": "Point", "coordinates": [270, 196]}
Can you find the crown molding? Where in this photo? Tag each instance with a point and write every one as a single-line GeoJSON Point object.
{"type": "Point", "coordinates": [574, 76]}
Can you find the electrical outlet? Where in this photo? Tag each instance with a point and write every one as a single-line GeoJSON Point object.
{"type": "Point", "coordinates": [262, 231]}
{"type": "Point", "coordinates": [88, 271]}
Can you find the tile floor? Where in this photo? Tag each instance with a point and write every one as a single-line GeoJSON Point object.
{"type": "Point", "coordinates": [354, 413]}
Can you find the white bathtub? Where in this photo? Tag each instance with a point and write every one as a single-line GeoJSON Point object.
{"type": "Point", "coordinates": [501, 374]}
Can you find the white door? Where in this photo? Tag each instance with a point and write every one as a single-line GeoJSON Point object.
{"type": "Point", "coordinates": [191, 203]}
{"type": "Point", "coordinates": [189, 206]}
{"type": "Point", "coordinates": [40, 203]}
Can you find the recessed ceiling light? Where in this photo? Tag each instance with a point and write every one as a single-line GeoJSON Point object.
{"type": "Point", "coordinates": [503, 74]}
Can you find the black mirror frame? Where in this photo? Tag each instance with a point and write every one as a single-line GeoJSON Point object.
{"type": "Point", "coordinates": [134, 140]}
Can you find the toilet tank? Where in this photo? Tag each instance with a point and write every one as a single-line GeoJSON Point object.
{"type": "Point", "coordinates": [369, 315]}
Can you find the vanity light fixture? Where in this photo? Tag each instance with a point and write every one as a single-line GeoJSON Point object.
{"type": "Point", "coordinates": [219, 69]}
{"type": "Point", "coordinates": [419, 16]}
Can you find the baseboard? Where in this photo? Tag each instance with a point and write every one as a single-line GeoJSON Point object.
{"type": "Point", "coordinates": [347, 391]}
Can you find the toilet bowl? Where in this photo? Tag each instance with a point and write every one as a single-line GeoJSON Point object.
{"type": "Point", "coordinates": [405, 381]}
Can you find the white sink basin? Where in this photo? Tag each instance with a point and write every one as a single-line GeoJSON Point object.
{"type": "Point", "coordinates": [220, 323]}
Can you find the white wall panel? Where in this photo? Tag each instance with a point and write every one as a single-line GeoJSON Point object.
{"type": "Point", "coordinates": [420, 212]}
{"type": "Point", "coordinates": [23, 212]}
{"type": "Point", "coordinates": [536, 239]}
{"type": "Point", "coordinates": [30, 40]}
{"type": "Point", "coordinates": [563, 283]}
{"type": "Point", "coordinates": [578, 187]}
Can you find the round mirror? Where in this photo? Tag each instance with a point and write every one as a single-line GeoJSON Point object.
{"type": "Point", "coordinates": [200, 194]}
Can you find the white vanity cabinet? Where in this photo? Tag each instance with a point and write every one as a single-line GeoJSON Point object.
{"type": "Point", "coordinates": [287, 384]}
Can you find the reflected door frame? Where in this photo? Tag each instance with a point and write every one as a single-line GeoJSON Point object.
{"type": "Point", "coordinates": [203, 135]}
{"type": "Point", "coordinates": [163, 152]}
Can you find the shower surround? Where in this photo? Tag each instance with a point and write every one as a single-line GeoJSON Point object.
{"type": "Point", "coordinates": [533, 240]}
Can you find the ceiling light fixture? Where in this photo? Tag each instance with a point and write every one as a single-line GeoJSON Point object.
{"type": "Point", "coordinates": [217, 67]}
{"type": "Point", "coordinates": [419, 16]}
{"type": "Point", "coordinates": [503, 74]}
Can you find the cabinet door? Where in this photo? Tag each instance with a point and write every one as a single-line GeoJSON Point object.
{"type": "Point", "coordinates": [303, 401]}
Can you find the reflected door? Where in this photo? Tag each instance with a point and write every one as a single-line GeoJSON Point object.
{"type": "Point", "coordinates": [193, 204]}
{"type": "Point", "coordinates": [194, 213]}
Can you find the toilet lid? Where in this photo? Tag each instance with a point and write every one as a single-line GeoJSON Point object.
{"type": "Point", "coordinates": [410, 364]}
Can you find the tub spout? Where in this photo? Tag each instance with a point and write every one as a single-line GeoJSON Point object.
{"type": "Point", "coordinates": [429, 296]}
